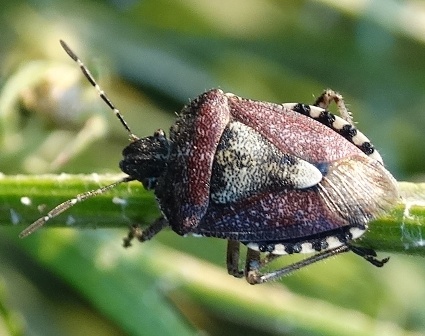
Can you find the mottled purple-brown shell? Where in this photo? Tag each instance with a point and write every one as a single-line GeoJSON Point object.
{"type": "Point", "coordinates": [258, 172]}
{"type": "Point", "coordinates": [281, 179]}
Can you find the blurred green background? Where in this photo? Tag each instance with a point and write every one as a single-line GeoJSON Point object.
{"type": "Point", "coordinates": [152, 57]}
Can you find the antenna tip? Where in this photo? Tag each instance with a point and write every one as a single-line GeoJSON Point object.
{"type": "Point", "coordinates": [34, 226]}
{"type": "Point", "coordinates": [25, 233]}
{"type": "Point", "coordinates": [68, 50]}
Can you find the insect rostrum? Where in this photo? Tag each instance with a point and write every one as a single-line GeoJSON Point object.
{"type": "Point", "coordinates": [279, 178]}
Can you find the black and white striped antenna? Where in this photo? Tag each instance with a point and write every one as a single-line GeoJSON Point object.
{"type": "Point", "coordinates": [68, 204]}
{"type": "Point", "coordinates": [101, 93]}
{"type": "Point", "coordinates": [88, 194]}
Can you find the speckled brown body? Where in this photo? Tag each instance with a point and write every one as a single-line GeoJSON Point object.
{"type": "Point", "coordinates": [281, 179]}
{"type": "Point", "coordinates": [354, 188]}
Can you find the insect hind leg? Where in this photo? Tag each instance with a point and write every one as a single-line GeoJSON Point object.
{"type": "Point", "coordinates": [369, 255]}
{"type": "Point", "coordinates": [254, 264]}
{"type": "Point", "coordinates": [327, 97]}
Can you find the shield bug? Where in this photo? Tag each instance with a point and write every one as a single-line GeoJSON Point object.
{"type": "Point", "coordinates": [278, 178]}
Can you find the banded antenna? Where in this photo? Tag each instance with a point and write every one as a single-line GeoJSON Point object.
{"type": "Point", "coordinates": [68, 204]}
{"type": "Point", "coordinates": [86, 72]}
{"type": "Point", "coordinates": [88, 194]}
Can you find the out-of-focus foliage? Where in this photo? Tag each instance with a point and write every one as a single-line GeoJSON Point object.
{"type": "Point", "coordinates": [151, 57]}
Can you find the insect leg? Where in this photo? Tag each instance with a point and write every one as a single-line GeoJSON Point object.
{"type": "Point", "coordinates": [369, 255]}
{"type": "Point", "coordinates": [252, 267]}
{"type": "Point", "coordinates": [326, 98]}
{"type": "Point", "coordinates": [146, 234]}
{"type": "Point", "coordinates": [233, 259]}
{"type": "Point", "coordinates": [253, 264]}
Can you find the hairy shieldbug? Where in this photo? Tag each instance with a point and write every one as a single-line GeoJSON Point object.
{"type": "Point", "coordinates": [278, 178]}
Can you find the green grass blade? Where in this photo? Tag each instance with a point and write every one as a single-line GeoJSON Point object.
{"type": "Point", "coordinates": [399, 231]}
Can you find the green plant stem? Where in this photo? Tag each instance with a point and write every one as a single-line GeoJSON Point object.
{"type": "Point", "coordinates": [24, 198]}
